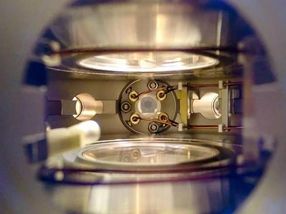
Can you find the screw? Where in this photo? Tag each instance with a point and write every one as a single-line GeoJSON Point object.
{"type": "Point", "coordinates": [153, 127]}
{"type": "Point", "coordinates": [152, 85]}
{"type": "Point", "coordinates": [133, 96]}
{"type": "Point", "coordinates": [163, 117]}
{"type": "Point", "coordinates": [161, 95]}
{"type": "Point", "coordinates": [135, 119]}
{"type": "Point", "coordinates": [126, 107]}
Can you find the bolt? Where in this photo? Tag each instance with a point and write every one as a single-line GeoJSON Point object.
{"type": "Point", "coordinates": [152, 85]}
{"type": "Point", "coordinates": [135, 119]}
{"type": "Point", "coordinates": [126, 107]}
{"type": "Point", "coordinates": [153, 127]}
{"type": "Point", "coordinates": [161, 95]}
{"type": "Point", "coordinates": [133, 96]}
{"type": "Point", "coordinates": [163, 117]}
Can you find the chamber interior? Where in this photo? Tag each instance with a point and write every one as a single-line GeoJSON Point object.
{"type": "Point", "coordinates": [167, 83]}
{"type": "Point", "coordinates": [178, 69]}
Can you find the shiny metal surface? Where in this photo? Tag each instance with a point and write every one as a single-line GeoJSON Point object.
{"type": "Point", "coordinates": [28, 27]}
{"type": "Point", "coordinates": [192, 191]}
{"type": "Point", "coordinates": [104, 25]}
{"type": "Point", "coordinates": [146, 153]}
{"type": "Point", "coordinates": [148, 62]}
{"type": "Point", "coordinates": [207, 105]}
{"type": "Point", "coordinates": [86, 107]}
{"type": "Point", "coordinates": [177, 155]}
{"type": "Point", "coordinates": [137, 24]}
{"type": "Point", "coordinates": [147, 106]}
{"type": "Point", "coordinates": [164, 198]}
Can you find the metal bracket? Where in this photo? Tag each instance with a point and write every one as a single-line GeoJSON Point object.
{"type": "Point", "coordinates": [224, 105]}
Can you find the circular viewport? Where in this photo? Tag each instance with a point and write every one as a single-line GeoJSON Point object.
{"type": "Point", "coordinates": [160, 61]}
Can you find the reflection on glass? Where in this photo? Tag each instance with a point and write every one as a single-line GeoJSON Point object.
{"type": "Point", "coordinates": [147, 62]}
{"type": "Point", "coordinates": [151, 153]}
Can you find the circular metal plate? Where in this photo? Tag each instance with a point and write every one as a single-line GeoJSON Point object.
{"type": "Point", "coordinates": [148, 62]}
{"type": "Point", "coordinates": [148, 154]}
{"type": "Point", "coordinates": [147, 106]}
